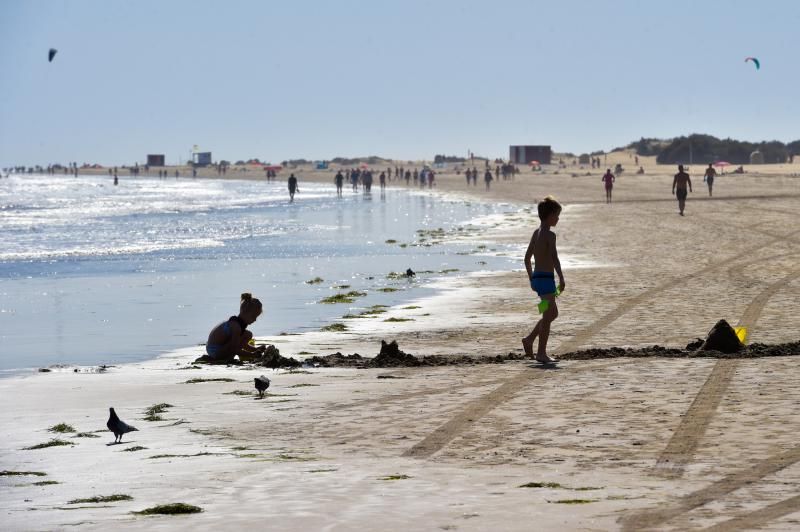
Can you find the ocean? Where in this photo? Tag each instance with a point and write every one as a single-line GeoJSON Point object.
{"type": "Point", "coordinates": [92, 273]}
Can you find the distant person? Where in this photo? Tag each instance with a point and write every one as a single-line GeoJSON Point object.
{"type": "Point", "coordinates": [431, 177]}
{"type": "Point", "coordinates": [416, 176]}
{"type": "Point", "coordinates": [474, 177]}
{"type": "Point", "coordinates": [608, 179]}
{"type": "Point", "coordinates": [382, 179]}
{"type": "Point", "coordinates": [408, 177]}
{"type": "Point", "coordinates": [679, 187]}
{"type": "Point", "coordinates": [116, 181]}
{"type": "Point", "coordinates": [488, 178]}
{"type": "Point", "coordinates": [708, 177]}
{"type": "Point", "coordinates": [541, 275]}
{"type": "Point", "coordinates": [292, 187]}
{"type": "Point", "coordinates": [231, 337]}
{"type": "Point", "coordinates": [339, 180]}
{"type": "Point", "coordinates": [177, 174]}
{"type": "Point", "coordinates": [468, 175]}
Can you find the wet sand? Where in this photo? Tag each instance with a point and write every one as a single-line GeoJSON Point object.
{"type": "Point", "coordinates": [605, 444]}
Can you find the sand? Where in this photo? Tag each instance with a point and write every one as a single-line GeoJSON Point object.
{"type": "Point", "coordinates": [619, 443]}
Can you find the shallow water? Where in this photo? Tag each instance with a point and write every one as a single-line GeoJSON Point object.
{"type": "Point", "coordinates": [91, 273]}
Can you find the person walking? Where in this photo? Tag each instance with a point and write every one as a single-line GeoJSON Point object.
{"type": "Point", "coordinates": [679, 184]}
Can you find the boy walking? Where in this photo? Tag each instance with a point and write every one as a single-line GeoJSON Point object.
{"type": "Point", "coordinates": [543, 250]}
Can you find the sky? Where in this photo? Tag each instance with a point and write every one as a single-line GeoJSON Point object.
{"type": "Point", "coordinates": [403, 79]}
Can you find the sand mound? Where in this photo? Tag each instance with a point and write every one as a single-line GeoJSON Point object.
{"type": "Point", "coordinates": [751, 351]}
{"type": "Point", "coordinates": [722, 338]}
{"type": "Point", "coordinates": [391, 356]}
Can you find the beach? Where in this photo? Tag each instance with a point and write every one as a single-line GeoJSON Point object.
{"type": "Point", "coordinates": [609, 444]}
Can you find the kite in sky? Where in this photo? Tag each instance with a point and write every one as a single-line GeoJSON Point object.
{"type": "Point", "coordinates": [51, 54]}
{"type": "Point", "coordinates": [755, 61]}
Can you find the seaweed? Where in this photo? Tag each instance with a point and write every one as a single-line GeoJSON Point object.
{"type": "Point", "coordinates": [102, 498]}
{"type": "Point", "coordinates": [388, 289]}
{"type": "Point", "coordinates": [152, 413]}
{"type": "Point", "coordinates": [347, 297]}
{"type": "Point", "coordinates": [201, 379]}
{"type": "Point", "coordinates": [315, 280]}
{"type": "Point", "coordinates": [86, 435]}
{"type": "Point", "coordinates": [553, 485]}
{"type": "Point", "coordinates": [61, 428]}
{"type": "Point", "coordinates": [134, 449]}
{"type": "Point", "coordinates": [302, 385]}
{"type": "Point", "coordinates": [394, 477]}
{"type": "Point", "coordinates": [334, 327]}
{"type": "Point", "coordinates": [395, 320]}
{"type": "Point", "coordinates": [175, 508]}
{"type": "Point", "coordinates": [7, 473]}
{"type": "Point", "coordinates": [51, 443]}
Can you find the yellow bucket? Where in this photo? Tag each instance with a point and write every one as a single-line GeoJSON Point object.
{"type": "Point", "coordinates": [741, 333]}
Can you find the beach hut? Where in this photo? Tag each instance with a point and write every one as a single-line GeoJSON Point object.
{"type": "Point", "coordinates": [526, 154]}
{"type": "Point", "coordinates": [756, 157]}
{"type": "Point", "coordinates": [155, 159]}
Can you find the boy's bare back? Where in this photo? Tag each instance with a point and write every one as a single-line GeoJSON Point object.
{"type": "Point", "coordinates": [543, 248]}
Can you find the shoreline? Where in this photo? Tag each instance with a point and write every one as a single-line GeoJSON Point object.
{"type": "Point", "coordinates": [470, 447]}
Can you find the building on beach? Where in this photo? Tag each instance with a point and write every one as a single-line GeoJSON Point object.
{"type": "Point", "coordinates": [526, 154]}
{"type": "Point", "coordinates": [155, 159]}
{"type": "Point", "coordinates": [202, 158]}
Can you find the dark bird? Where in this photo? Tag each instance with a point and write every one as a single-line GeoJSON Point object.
{"type": "Point", "coordinates": [262, 383]}
{"type": "Point", "coordinates": [410, 273]}
{"type": "Point", "coordinates": [51, 54]}
{"type": "Point", "coordinates": [117, 426]}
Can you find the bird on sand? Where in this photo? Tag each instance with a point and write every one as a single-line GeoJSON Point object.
{"type": "Point", "coordinates": [262, 383]}
{"type": "Point", "coordinates": [117, 426]}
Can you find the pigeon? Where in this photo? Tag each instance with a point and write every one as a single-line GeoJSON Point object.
{"type": "Point", "coordinates": [410, 273]}
{"type": "Point", "coordinates": [262, 383]}
{"type": "Point", "coordinates": [117, 426]}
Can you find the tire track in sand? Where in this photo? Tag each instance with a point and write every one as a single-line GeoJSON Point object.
{"type": "Point", "coordinates": [477, 408]}
{"type": "Point", "coordinates": [759, 517]}
{"type": "Point", "coordinates": [684, 441]}
{"type": "Point", "coordinates": [654, 517]}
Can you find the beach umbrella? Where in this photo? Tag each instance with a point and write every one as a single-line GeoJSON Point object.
{"type": "Point", "coordinates": [363, 165]}
{"type": "Point", "coordinates": [722, 164]}
{"type": "Point", "coordinates": [535, 163]}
